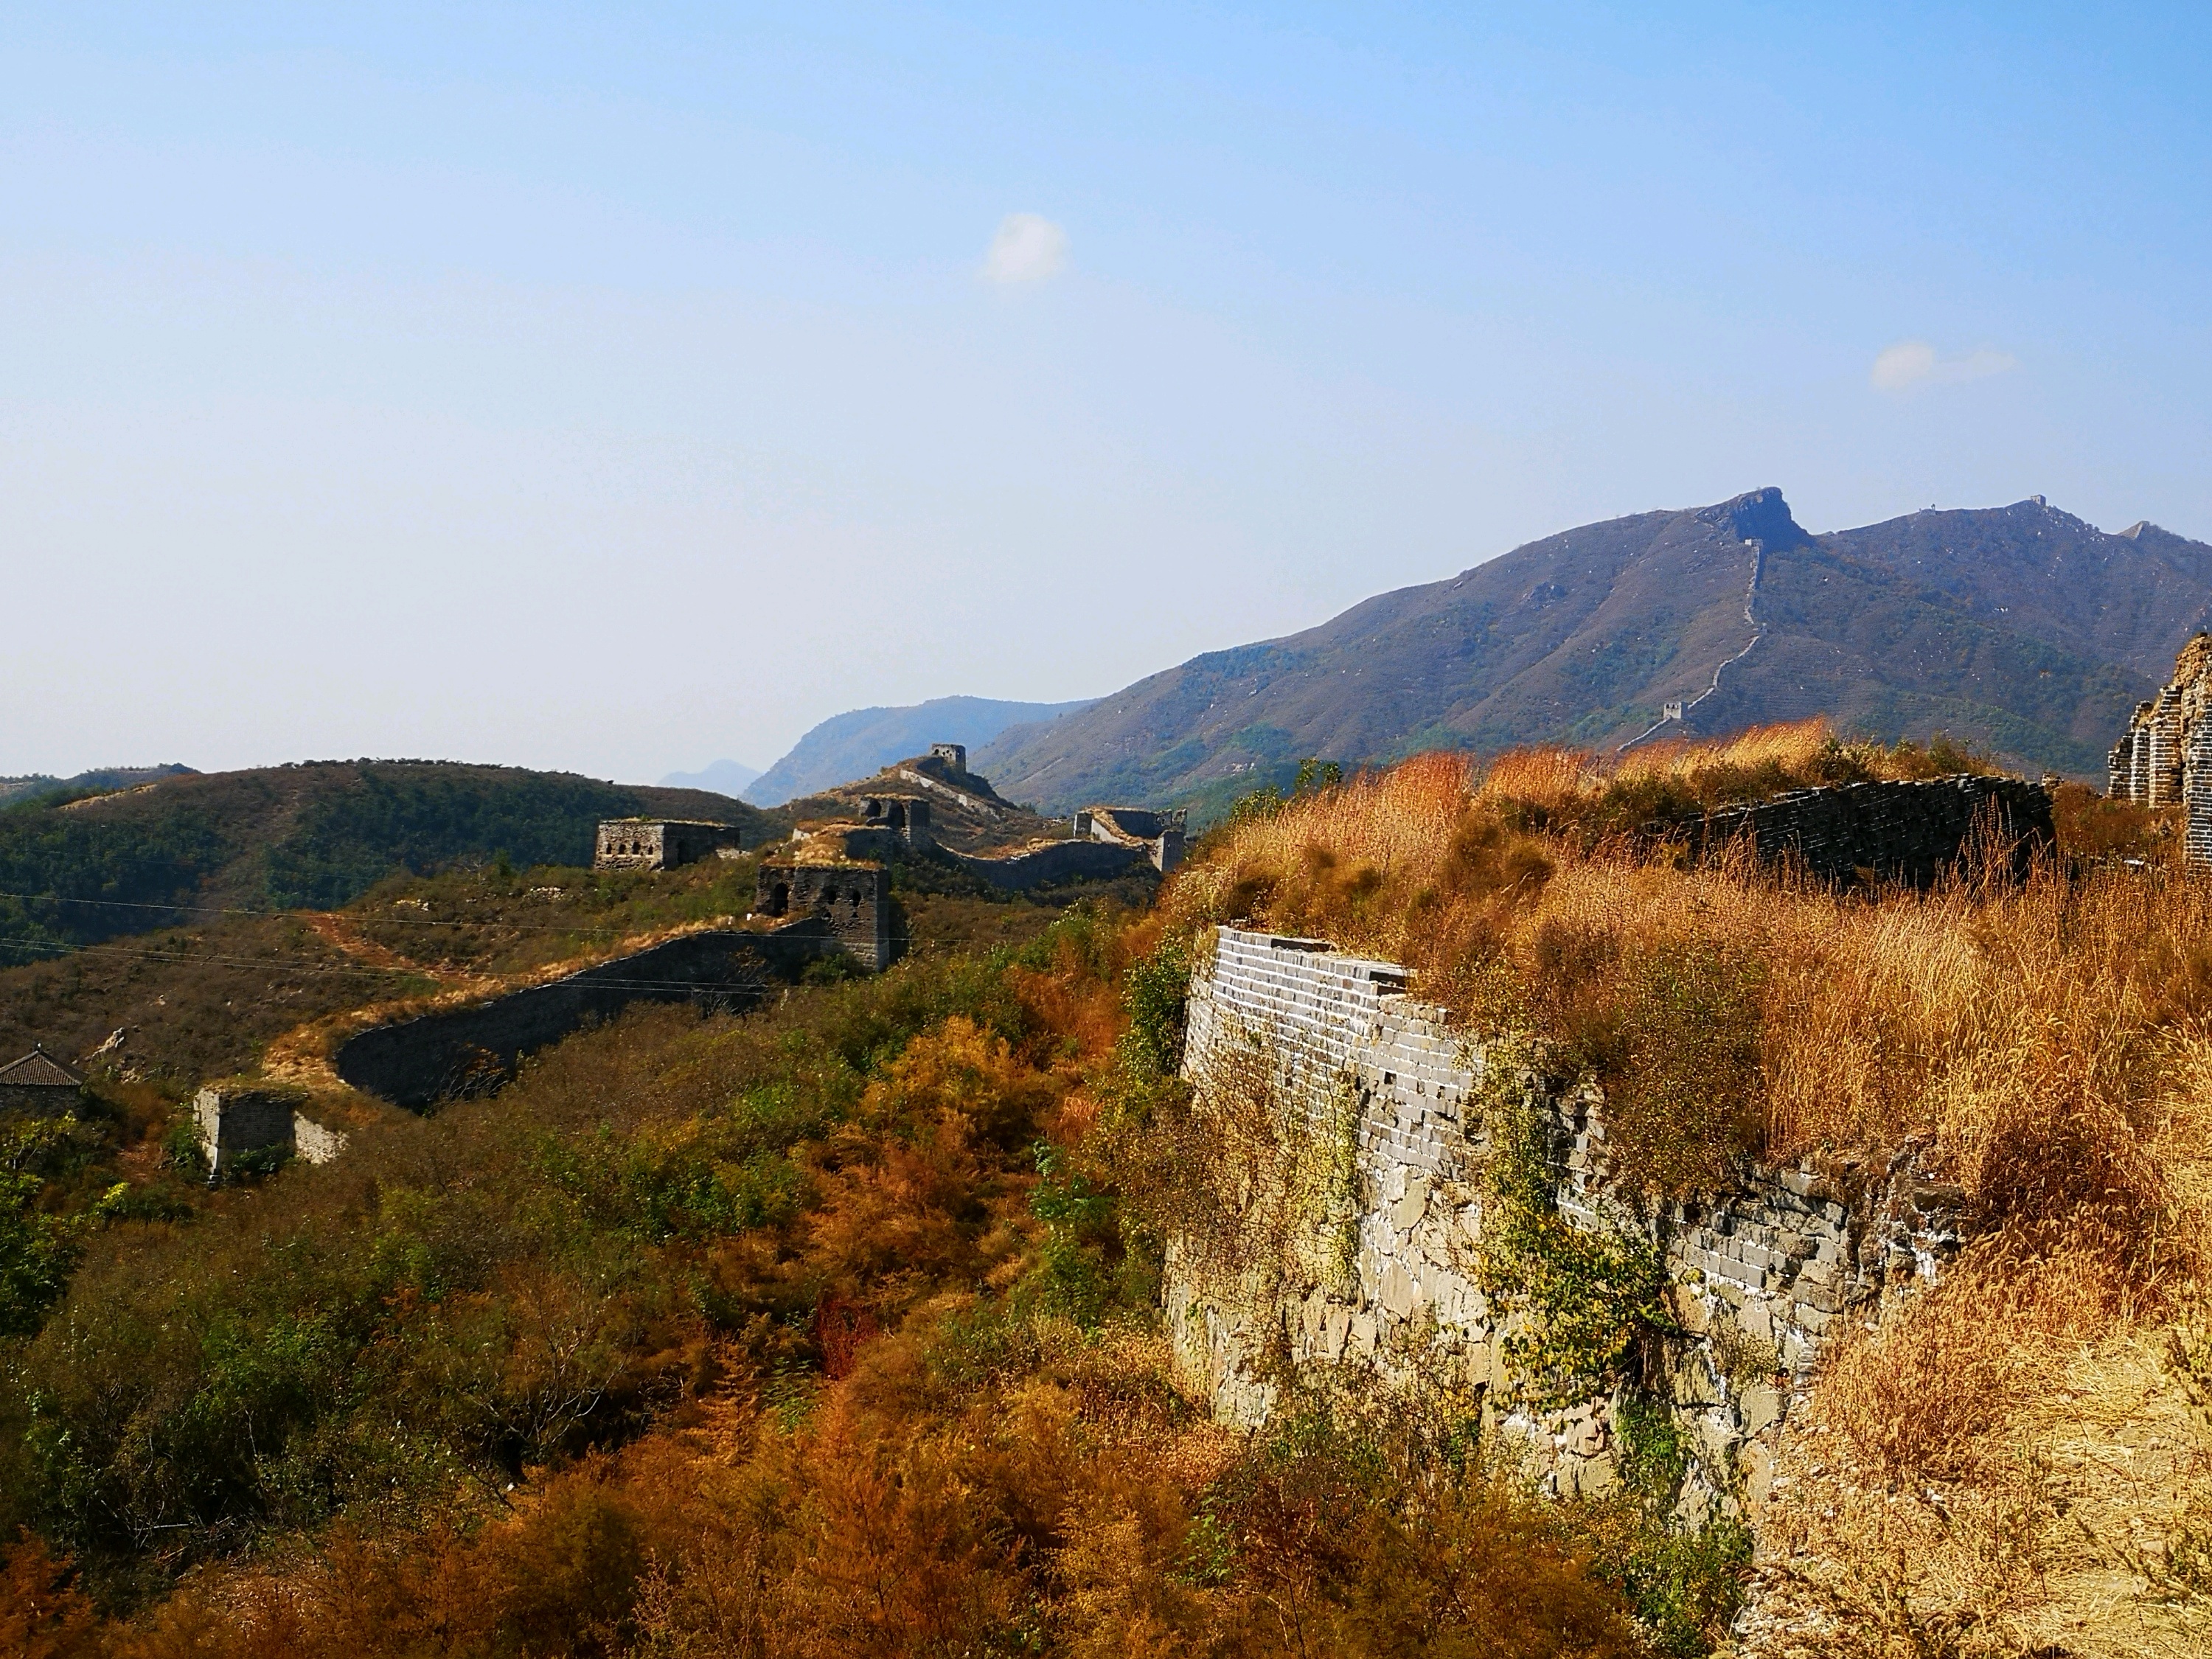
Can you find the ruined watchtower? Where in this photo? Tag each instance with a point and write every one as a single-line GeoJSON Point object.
{"type": "Point", "coordinates": [853, 895]}
{"type": "Point", "coordinates": [1159, 836]}
{"type": "Point", "coordinates": [662, 843]}
{"type": "Point", "coordinates": [2165, 756]}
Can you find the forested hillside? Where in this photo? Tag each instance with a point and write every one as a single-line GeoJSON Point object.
{"type": "Point", "coordinates": [314, 835]}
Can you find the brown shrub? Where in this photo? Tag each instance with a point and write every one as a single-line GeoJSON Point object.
{"type": "Point", "coordinates": [43, 1615]}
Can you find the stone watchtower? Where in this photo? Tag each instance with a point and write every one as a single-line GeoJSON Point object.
{"type": "Point", "coordinates": [852, 898]}
{"type": "Point", "coordinates": [662, 843]}
{"type": "Point", "coordinates": [2165, 756]}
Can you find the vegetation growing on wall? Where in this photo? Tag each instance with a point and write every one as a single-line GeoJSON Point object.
{"type": "Point", "coordinates": [1575, 1299]}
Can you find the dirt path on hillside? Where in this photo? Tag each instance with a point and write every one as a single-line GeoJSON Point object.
{"type": "Point", "coordinates": [343, 932]}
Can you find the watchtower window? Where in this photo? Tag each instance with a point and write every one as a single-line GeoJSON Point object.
{"type": "Point", "coordinates": [779, 898]}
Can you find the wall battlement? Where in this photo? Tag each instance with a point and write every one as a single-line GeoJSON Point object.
{"type": "Point", "coordinates": [1909, 831]}
{"type": "Point", "coordinates": [1381, 1266]}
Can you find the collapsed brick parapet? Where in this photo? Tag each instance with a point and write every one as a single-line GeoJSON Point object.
{"type": "Point", "coordinates": [1379, 1266]}
{"type": "Point", "coordinates": [1160, 834]}
{"type": "Point", "coordinates": [1905, 832]}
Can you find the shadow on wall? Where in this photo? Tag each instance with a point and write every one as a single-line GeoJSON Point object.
{"type": "Point", "coordinates": [456, 1053]}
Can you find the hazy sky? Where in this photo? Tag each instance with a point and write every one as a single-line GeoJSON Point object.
{"type": "Point", "coordinates": [614, 388]}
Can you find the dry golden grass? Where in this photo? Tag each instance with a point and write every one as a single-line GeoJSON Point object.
{"type": "Point", "coordinates": [2038, 1040]}
{"type": "Point", "coordinates": [2004, 1466]}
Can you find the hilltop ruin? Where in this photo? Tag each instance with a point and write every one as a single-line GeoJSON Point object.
{"type": "Point", "coordinates": [662, 843]}
{"type": "Point", "coordinates": [933, 808]}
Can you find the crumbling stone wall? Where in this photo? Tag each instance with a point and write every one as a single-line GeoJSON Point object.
{"type": "Point", "coordinates": [454, 1052]}
{"type": "Point", "coordinates": [1901, 831]}
{"type": "Point", "coordinates": [1160, 833]}
{"type": "Point", "coordinates": [1384, 1268]}
{"type": "Point", "coordinates": [2165, 756]}
{"type": "Point", "coordinates": [905, 817]}
{"type": "Point", "coordinates": [1055, 861]}
{"type": "Point", "coordinates": [235, 1119]}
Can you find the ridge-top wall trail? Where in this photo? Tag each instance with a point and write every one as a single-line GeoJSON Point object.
{"type": "Point", "coordinates": [450, 1052]}
{"type": "Point", "coordinates": [1366, 1246]}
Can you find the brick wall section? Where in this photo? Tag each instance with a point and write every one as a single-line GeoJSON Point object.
{"type": "Point", "coordinates": [1905, 831]}
{"type": "Point", "coordinates": [455, 1052]}
{"type": "Point", "coordinates": [1766, 1268]}
{"type": "Point", "coordinates": [39, 1100]}
{"type": "Point", "coordinates": [853, 901]}
{"type": "Point", "coordinates": [235, 1118]}
{"type": "Point", "coordinates": [1055, 861]}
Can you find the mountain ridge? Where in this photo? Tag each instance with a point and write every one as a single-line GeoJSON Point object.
{"type": "Point", "coordinates": [2020, 628]}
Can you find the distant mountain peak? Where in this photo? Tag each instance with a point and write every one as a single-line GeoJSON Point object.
{"type": "Point", "coordinates": [1758, 515]}
{"type": "Point", "coordinates": [2020, 628]}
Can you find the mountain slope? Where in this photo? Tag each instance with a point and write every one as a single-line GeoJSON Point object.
{"type": "Point", "coordinates": [315, 834]}
{"type": "Point", "coordinates": [2020, 628]}
{"type": "Point", "coordinates": [13, 790]}
{"type": "Point", "coordinates": [859, 744]}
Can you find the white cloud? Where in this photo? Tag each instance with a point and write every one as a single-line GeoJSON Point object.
{"type": "Point", "coordinates": [1028, 248]}
{"type": "Point", "coordinates": [1915, 362]}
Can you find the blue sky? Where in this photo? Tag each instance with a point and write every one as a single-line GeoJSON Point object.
{"type": "Point", "coordinates": [615, 389]}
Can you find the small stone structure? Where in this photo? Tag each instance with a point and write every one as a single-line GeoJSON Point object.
{"type": "Point", "coordinates": [1377, 1255]}
{"type": "Point", "coordinates": [906, 816]}
{"type": "Point", "coordinates": [40, 1085]}
{"type": "Point", "coordinates": [236, 1119]}
{"type": "Point", "coordinates": [954, 755]}
{"type": "Point", "coordinates": [662, 843]}
{"type": "Point", "coordinates": [1160, 834]}
{"type": "Point", "coordinates": [851, 898]}
{"type": "Point", "coordinates": [1909, 831]}
{"type": "Point", "coordinates": [888, 826]}
{"type": "Point", "coordinates": [2165, 756]}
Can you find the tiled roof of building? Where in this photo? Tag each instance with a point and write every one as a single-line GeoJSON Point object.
{"type": "Point", "coordinates": [39, 1069]}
